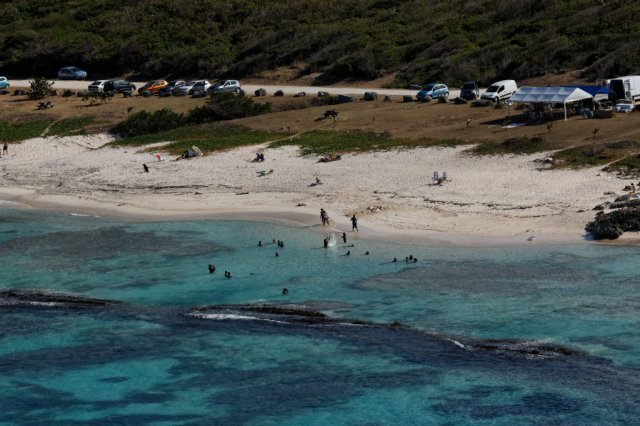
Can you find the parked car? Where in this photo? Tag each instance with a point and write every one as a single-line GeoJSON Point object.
{"type": "Point", "coordinates": [500, 90]}
{"type": "Point", "coordinates": [623, 108]}
{"type": "Point", "coordinates": [170, 89]}
{"type": "Point", "coordinates": [4, 83]}
{"type": "Point", "coordinates": [469, 91]}
{"type": "Point", "coordinates": [152, 87]}
{"type": "Point", "coordinates": [226, 86]}
{"type": "Point", "coordinates": [98, 86]}
{"type": "Point", "coordinates": [119, 86]}
{"type": "Point", "coordinates": [194, 86]}
{"type": "Point", "coordinates": [433, 91]}
{"type": "Point", "coordinates": [71, 73]}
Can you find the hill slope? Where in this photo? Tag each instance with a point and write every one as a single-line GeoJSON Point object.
{"type": "Point", "coordinates": [419, 41]}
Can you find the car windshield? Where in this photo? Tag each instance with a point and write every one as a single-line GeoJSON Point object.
{"type": "Point", "coordinates": [74, 69]}
{"type": "Point", "coordinates": [468, 86]}
{"type": "Point", "coordinates": [429, 87]}
{"type": "Point", "coordinates": [220, 82]}
{"type": "Point", "coordinates": [96, 83]}
{"type": "Point", "coordinates": [493, 88]}
{"type": "Point", "coordinates": [149, 84]}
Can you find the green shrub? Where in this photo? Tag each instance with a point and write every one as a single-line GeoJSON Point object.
{"type": "Point", "coordinates": [521, 145]}
{"type": "Point", "coordinates": [227, 106]}
{"type": "Point", "coordinates": [40, 88]}
{"type": "Point", "coordinates": [143, 122]}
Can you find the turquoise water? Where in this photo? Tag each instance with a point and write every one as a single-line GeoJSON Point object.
{"type": "Point", "coordinates": [143, 361]}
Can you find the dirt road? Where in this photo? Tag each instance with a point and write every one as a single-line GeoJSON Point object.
{"type": "Point", "coordinates": [250, 88]}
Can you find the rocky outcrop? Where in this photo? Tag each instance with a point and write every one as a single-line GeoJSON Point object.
{"type": "Point", "coordinates": [611, 225]}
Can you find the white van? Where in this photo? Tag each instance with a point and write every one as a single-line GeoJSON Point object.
{"type": "Point", "coordinates": [500, 90]}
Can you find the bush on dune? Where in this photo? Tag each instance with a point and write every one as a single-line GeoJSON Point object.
{"type": "Point", "coordinates": [143, 122]}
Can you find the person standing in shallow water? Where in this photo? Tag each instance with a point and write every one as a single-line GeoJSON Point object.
{"type": "Point", "coordinates": [354, 223]}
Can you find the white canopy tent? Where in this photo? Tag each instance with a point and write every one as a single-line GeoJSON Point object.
{"type": "Point", "coordinates": [550, 95]}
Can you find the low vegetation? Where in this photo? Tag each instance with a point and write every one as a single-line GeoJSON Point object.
{"type": "Point", "coordinates": [145, 123]}
{"type": "Point", "coordinates": [323, 141]}
{"type": "Point", "coordinates": [70, 126]}
{"type": "Point", "coordinates": [621, 153]}
{"type": "Point", "coordinates": [14, 132]}
{"type": "Point", "coordinates": [226, 106]}
{"type": "Point", "coordinates": [520, 145]}
{"type": "Point", "coordinates": [418, 41]}
{"type": "Point", "coordinates": [208, 137]}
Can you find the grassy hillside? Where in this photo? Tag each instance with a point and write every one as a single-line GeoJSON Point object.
{"type": "Point", "coordinates": [417, 40]}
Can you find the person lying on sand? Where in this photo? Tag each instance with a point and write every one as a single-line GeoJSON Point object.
{"type": "Point", "coordinates": [329, 158]}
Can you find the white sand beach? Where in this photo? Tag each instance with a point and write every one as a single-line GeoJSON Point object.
{"type": "Point", "coordinates": [501, 198]}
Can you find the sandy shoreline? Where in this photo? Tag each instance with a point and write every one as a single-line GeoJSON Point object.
{"type": "Point", "coordinates": [488, 200]}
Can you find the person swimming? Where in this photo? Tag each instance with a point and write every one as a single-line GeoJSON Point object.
{"type": "Point", "coordinates": [260, 243]}
{"type": "Point", "coordinates": [348, 253]}
{"type": "Point", "coordinates": [212, 268]}
{"type": "Point", "coordinates": [285, 291]}
{"type": "Point", "coordinates": [227, 274]}
{"type": "Point", "coordinates": [277, 254]}
{"type": "Point", "coordinates": [395, 260]}
{"type": "Point", "coordinates": [366, 254]}
{"type": "Point", "coordinates": [415, 260]}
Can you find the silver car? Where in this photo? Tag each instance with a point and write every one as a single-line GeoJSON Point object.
{"type": "Point", "coordinates": [226, 86]}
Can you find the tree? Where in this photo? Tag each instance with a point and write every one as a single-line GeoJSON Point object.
{"type": "Point", "coordinates": [40, 88]}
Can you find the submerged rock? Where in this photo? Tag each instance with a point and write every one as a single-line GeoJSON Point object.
{"type": "Point", "coordinates": [49, 298]}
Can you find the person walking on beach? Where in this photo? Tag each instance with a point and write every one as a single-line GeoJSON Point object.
{"type": "Point", "coordinates": [354, 223]}
{"type": "Point", "coordinates": [146, 168]}
{"type": "Point", "coordinates": [324, 217]}
{"type": "Point", "coordinates": [5, 149]}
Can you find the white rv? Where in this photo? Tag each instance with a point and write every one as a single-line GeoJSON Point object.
{"type": "Point", "coordinates": [500, 90]}
{"type": "Point", "coordinates": [626, 87]}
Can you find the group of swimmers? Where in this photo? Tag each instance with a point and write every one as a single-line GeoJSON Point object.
{"type": "Point", "coordinates": [278, 242]}
{"type": "Point", "coordinates": [212, 269]}
{"type": "Point", "coordinates": [408, 259]}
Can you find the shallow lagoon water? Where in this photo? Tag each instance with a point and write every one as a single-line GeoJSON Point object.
{"type": "Point", "coordinates": [143, 361]}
